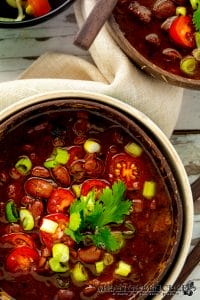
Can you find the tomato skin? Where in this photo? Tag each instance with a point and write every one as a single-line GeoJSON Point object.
{"type": "Point", "coordinates": [90, 184]}
{"type": "Point", "coordinates": [39, 7]}
{"type": "Point", "coordinates": [181, 31]}
{"type": "Point", "coordinates": [127, 168]}
{"type": "Point", "coordinates": [49, 239]}
{"type": "Point", "coordinates": [21, 259]}
{"type": "Point", "coordinates": [59, 200]}
{"type": "Point", "coordinates": [18, 240]}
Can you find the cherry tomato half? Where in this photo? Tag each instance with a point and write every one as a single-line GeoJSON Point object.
{"type": "Point", "coordinates": [181, 31]}
{"type": "Point", "coordinates": [128, 169]}
{"type": "Point", "coordinates": [93, 184]}
{"type": "Point", "coordinates": [59, 200]}
{"type": "Point", "coordinates": [17, 240]}
{"type": "Point", "coordinates": [21, 259]}
{"type": "Point", "coordinates": [48, 238]}
{"type": "Point", "coordinates": [39, 7]}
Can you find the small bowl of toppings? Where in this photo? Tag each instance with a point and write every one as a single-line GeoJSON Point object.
{"type": "Point", "coordinates": [21, 13]}
{"type": "Point", "coordinates": [93, 198]}
{"type": "Point", "coordinates": [162, 37]}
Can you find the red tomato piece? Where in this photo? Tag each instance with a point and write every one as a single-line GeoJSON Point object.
{"type": "Point", "coordinates": [21, 259]}
{"type": "Point", "coordinates": [48, 238]}
{"type": "Point", "coordinates": [59, 200]}
{"type": "Point", "coordinates": [94, 184]}
{"type": "Point", "coordinates": [17, 240]}
{"type": "Point", "coordinates": [39, 7]}
{"type": "Point", "coordinates": [181, 31]}
{"type": "Point", "coordinates": [127, 168]}
{"type": "Point", "coordinates": [75, 152]}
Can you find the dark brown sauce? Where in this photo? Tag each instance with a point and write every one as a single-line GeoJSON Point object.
{"type": "Point", "coordinates": [145, 252]}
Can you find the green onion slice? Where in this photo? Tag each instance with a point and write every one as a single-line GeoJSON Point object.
{"type": "Point", "coordinates": [59, 156]}
{"type": "Point", "coordinates": [26, 219]}
{"type": "Point", "coordinates": [188, 65]}
{"type": "Point", "coordinates": [149, 189]}
{"type": "Point", "coordinates": [56, 266]}
{"type": "Point", "coordinates": [133, 149]}
{"type": "Point", "coordinates": [23, 165]}
{"type": "Point", "coordinates": [91, 146]}
{"type": "Point", "coordinates": [79, 273]}
{"type": "Point", "coordinates": [11, 212]}
{"type": "Point", "coordinates": [123, 269]}
{"type": "Point", "coordinates": [61, 252]}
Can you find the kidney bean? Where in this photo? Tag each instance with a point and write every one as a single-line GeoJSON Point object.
{"type": "Point", "coordinates": [38, 187]}
{"type": "Point", "coordinates": [171, 54]}
{"type": "Point", "coordinates": [27, 200]}
{"type": "Point", "coordinates": [77, 169]}
{"type": "Point", "coordinates": [164, 8]}
{"type": "Point", "coordinates": [28, 148]}
{"type": "Point", "coordinates": [61, 175]}
{"type": "Point", "coordinates": [14, 191]}
{"type": "Point", "coordinates": [65, 295]}
{"type": "Point", "coordinates": [39, 171]}
{"type": "Point", "coordinates": [153, 39]}
{"type": "Point", "coordinates": [90, 254]}
{"type": "Point", "coordinates": [167, 23]}
{"type": "Point", "coordinates": [36, 208]}
{"type": "Point", "coordinates": [140, 11]}
{"type": "Point", "coordinates": [89, 290]}
{"type": "Point", "coordinates": [3, 177]}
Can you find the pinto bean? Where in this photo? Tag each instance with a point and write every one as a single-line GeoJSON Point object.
{"type": "Point", "coordinates": [153, 39]}
{"type": "Point", "coordinates": [90, 254]}
{"type": "Point", "coordinates": [39, 171]}
{"type": "Point", "coordinates": [61, 174]}
{"type": "Point", "coordinates": [77, 169]}
{"type": "Point", "coordinates": [141, 12]}
{"type": "Point", "coordinates": [164, 8]}
{"type": "Point", "coordinates": [38, 187]}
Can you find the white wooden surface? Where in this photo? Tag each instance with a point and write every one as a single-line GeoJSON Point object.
{"type": "Point", "coordinates": [20, 47]}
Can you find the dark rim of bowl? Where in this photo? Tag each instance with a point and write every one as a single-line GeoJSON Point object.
{"type": "Point", "coordinates": [144, 135]}
{"type": "Point", "coordinates": [146, 65]}
{"type": "Point", "coordinates": [37, 20]}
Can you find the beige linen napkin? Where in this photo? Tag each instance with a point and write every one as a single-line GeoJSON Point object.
{"type": "Point", "coordinates": [112, 74]}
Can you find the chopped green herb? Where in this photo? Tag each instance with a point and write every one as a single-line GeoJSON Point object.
{"type": "Point", "coordinates": [196, 19]}
{"type": "Point", "coordinates": [91, 215]}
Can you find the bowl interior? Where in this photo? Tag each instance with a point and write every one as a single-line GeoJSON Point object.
{"type": "Point", "coordinates": [144, 137]}
{"type": "Point", "coordinates": [146, 65]}
{"type": "Point", "coordinates": [8, 12]}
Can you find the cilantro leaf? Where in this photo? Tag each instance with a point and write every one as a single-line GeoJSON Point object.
{"type": "Point", "coordinates": [103, 238]}
{"type": "Point", "coordinates": [196, 19]}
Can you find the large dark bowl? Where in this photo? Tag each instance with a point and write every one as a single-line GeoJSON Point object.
{"type": "Point", "coordinates": [144, 64]}
{"type": "Point", "coordinates": [6, 11]}
{"type": "Point", "coordinates": [154, 141]}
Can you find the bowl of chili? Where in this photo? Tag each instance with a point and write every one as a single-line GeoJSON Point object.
{"type": "Point", "coordinates": [93, 198]}
{"type": "Point", "coordinates": [161, 37]}
{"type": "Point", "coordinates": [22, 13]}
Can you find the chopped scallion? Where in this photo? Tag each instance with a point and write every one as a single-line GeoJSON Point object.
{"type": "Point", "coordinates": [133, 149]}
{"type": "Point", "coordinates": [99, 265]}
{"type": "Point", "coordinates": [188, 65]}
{"type": "Point", "coordinates": [149, 189]}
{"type": "Point", "coordinates": [49, 226]}
{"type": "Point", "coordinates": [91, 146]}
{"type": "Point", "coordinates": [26, 219]}
{"type": "Point", "coordinates": [23, 165]}
{"type": "Point", "coordinates": [60, 252]}
{"type": "Point", "coordinates": [11, 212]}
{"type": "Point", "coordinates": [56, 266]}
{"type": "Point", "coordinates": [123, 269]}
{"type": "Point", "coordinates": [79, 273]}
{"type": "Point", "coordinates": [181, 11]}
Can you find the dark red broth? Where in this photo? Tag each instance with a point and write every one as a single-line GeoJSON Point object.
{"type": "Point", "coordinates": [25, 255]}
{"type": "Point", "coordinates": [148, 26]}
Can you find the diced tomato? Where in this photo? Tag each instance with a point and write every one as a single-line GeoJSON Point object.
{"type": "Point", "coordinates": [59, 200]}
{"type": "Point", "coordinates": [94, 184]}
{"type": "Point", "coordinates": [75, 152]}
{"type": "Point", "coordinates": [181, 31]}
{"type": "Point", "coordinates": [17, 240]}
{"type": "Point", "coordinates": [39, 7]}
{"type": "Point", "coordinates": [50, 238]}
{"type": "Point", "coordinates": [21, 259]}
{"type": "Point", "coordinates": [127, 168]}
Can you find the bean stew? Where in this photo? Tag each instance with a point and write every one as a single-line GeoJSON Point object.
{"type": "Point", "coordinates": [85, 212]}
{"type": "Point", "coordinates": [166, 32]}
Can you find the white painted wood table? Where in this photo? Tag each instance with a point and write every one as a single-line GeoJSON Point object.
{"type": "Point", "coordinates": [20, 47]}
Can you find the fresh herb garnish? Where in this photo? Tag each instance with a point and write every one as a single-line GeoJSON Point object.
{"type": "Point", "coordinates": [196, 19]}
{"type": "Point", "coordinates": [91, 217]}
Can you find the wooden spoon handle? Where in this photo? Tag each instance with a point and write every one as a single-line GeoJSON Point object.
{"type": "Point", "coordinates": [194, 257]}
{"type": "Point", "coordinates": [95, 21]}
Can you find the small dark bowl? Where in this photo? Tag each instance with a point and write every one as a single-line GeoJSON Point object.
{"type": "Point", "coordinates": [146, 65]}
{"type": "Point", "coordinates": [9, 12]}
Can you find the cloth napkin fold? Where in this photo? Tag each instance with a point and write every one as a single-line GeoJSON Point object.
{"type": "Point", "coordinates": [112, 74]}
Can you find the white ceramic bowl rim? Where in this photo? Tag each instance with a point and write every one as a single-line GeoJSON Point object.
{"type": "Point", "coordinates": [163, 141]}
